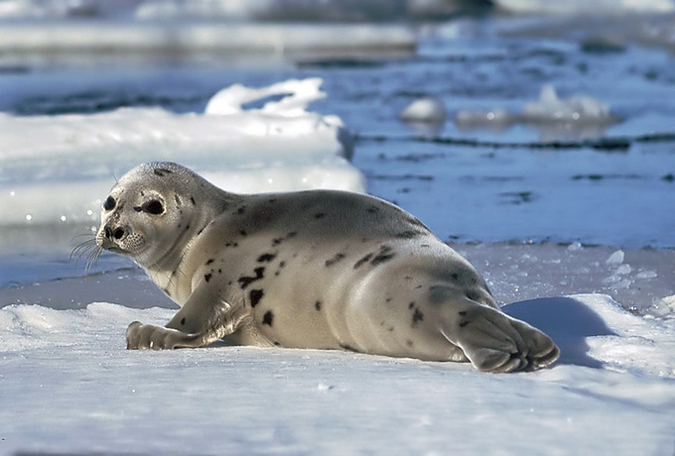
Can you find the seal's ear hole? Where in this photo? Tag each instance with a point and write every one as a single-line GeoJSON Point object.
{"type": "Point", "coordinates": [109, 204]}
{"type": "Point", "coordinates": [154, 207]}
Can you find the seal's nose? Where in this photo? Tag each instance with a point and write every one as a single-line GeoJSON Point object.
{"type": "Point", "coordinates": [115, 234]}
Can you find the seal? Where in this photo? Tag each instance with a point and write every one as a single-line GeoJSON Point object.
{"type": "Point", "coordinates": [313, 269]}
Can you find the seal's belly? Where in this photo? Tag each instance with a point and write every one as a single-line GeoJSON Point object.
{"type": "Point", "coordinates": [361, 296]}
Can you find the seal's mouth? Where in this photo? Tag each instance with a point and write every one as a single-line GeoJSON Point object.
{"type": "Point", "coordinates": [110, 246]}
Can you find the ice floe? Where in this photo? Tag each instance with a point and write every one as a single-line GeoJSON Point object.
{"type": "Point", "coordinates": [578, 116]}
{"type": "Point", "coordinates": [56, 169]}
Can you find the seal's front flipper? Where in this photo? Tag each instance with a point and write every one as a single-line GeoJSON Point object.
{"type": "Point", "coordinates": [204, 319]}
{"type": "Point", "coordinates": [144, 337]}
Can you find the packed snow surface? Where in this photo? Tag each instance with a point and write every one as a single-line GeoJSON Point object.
{"type": "Point", "coordinates": [69, 386]}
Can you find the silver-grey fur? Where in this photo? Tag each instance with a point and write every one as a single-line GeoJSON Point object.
{"type": "Point", "coordinates": [314, 269]}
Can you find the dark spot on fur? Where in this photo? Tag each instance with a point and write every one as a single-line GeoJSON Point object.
{"type": "Point", "coordinates": [208, 276]}
{"type": "Point", "coordinates": [277, 344]}
{"type": "Point", "coordinates": [266, 257]}
{"type": "Point", "coordinates": [277, 241]}
{"type": "Point", "coordinates": [454, 276]}
{"type": "Point", "coordinates": [464, 323]}
{"type": "Point", "coordinates": [319, 215]}
{"type": "Point", "coordinates": [473, 295]}
{"type": "Point", "coordinates": [462, 313]}
{"type": "Point", "coordinates": [161, 172]}
{"type": "Point", "coordinates": [363, 260]}
{"type": "Point", "coordinates": [256, 296]}
{"type": "Point", "coordinates": [187, 227]}
{"type": "Point", "coordinates": [335, 259]}
{"type": "Point", "coordinates": [200, 231]}
{"type": "Point", "coordinates": [407, 234]}
{"type": "Point", "coordinates": [192, 200]}
{"type": "Point", "coordinates": [243, 233]}
{"type": "Point", "coordinates": [178, 201]}
{"type": "Point", "coordinates": [182, 321]}
{"type": "Point", "coordinates": [211, 260]}
{"type": "Point", "coordinates": [268, 318]}
{"type": "Point", "coordinates": [417, 317]}
{"type": "Point", "coordinates": [231, 244]}
{"type": "Point", "coordinates": [387, 300]}
{"type": "Point", "coordinates": [282, 264]}
{"type": "Point", "coordinates": [245, 281]}
{"type": "Point", "coordinates": [272, 200]}
{"type": "Point", "coordinates": [416, 222]}
{"type": "Point", "coordinates": [409, 343]}
{"type": "Point", "coordinates": [241, 210]}
{"type": "Point", "coordinates": [411, 305]}
{"type": "Point", "coordinates": [346, 347]}
{"type": "Point", "coordinates": [391, 329]}
{"type": "Point", "coordinates": [384, 256]}
{"type": "Point", "coordinates": [372, 210]}
{"type": "Point", "coordinates": [317, 305]}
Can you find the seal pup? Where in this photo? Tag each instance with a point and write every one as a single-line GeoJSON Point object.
{"type": "Point", "coordinates": [314, 269]}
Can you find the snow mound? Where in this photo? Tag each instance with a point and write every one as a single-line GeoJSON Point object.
{"type": "Point", "coordinates": [69, 386]}
{"type": "Point", "coordinates": [56, 169]}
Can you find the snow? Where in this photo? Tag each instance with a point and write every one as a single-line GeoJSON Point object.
{"type": "Point", "coordinates": [278, 146]}
{"type": "Point", "coordinates": [68, 385]}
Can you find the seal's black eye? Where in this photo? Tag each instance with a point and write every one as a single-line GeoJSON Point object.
{"type": "Point", "coordinates": [109, 203]}
{"type": "Point", "coordinates": [154, 207]}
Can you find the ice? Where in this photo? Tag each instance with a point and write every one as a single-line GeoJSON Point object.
{"type": "Point", "coordinates": [579, 7]}
{"type": "Point", "coordinates": [616, 257]}
{"type": "Point", "coordinates": [576, 108]}
{"type": "Point", "coordinates": [279, 146]}
{"type": "Point", "coordinates": [578, 116]}
{"type": "Point", "coordinates": [88, 42]}
{"type": "Point", "coordinates": [69, 386]}
{"type": "Point", "coordinates": [426, 110]}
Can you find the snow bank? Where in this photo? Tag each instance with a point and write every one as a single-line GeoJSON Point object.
{"type": "Point", "coordinates": [56, 169]}
{"type": "Point", "coordinates": [69, 386]}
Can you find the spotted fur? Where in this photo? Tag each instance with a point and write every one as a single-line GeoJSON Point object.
{"type": "Point", "coordinates": [315, 269]}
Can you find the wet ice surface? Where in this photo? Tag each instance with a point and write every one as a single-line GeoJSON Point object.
{"type": "Point", "coordinates": [544, 210]}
